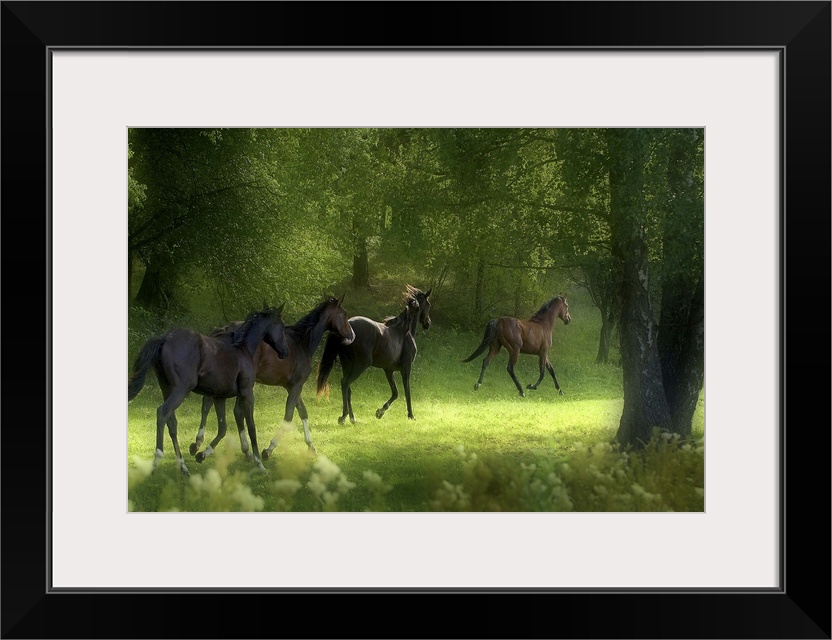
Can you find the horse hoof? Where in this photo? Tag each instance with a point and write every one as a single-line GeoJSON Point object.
{"type": "Point", "coordinates": [342, 419]}
{"type": "Point", "coordinates": [264, 455]}
{"type": "Point", "coordinates": [379, 413]}
{"type": "Point", "coordinates": [185, 472]}
{"type": "Point", "coordinates": [522, 395]}
{"type": "Point", "coordinates": [193, 448]}
{"type": "Point", "coordinates": [200, 457]}
{"type": "Point", "coordinates": [476, 387]}
{"type": "Point", "coordinates": [411, 417]}
{"type": "Point", "coordinates": [312, 451]}
{"type": "Point", "coordinates": [560, 392]}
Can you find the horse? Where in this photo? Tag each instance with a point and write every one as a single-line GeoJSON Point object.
{"type": "Point", "coordinates": [289, 372]}
{"type": "Point", "coordinates": [389, 345]}
{"type": "Point", "coordinates": [533, 336]}
{"type": "Point", "coordinates": [217, 367]}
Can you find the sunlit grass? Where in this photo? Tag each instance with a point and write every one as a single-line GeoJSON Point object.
{"type": "Point", "coordinates": [412, 458]}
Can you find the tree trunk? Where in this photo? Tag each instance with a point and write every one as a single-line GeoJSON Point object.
{"type": "Point", "coordinates": [604, 340]}
{"type": "Point", "coordinates": [645, 406]}
{"type": "Point", "coordinates": [361, 265]}
{"type": "Point", "coordinates": [681, 338]}
{"type": "Point", "coordinates": [479, 296]}
{"type": "Point", "coordinates": [155, 291]}
{"type": "Point", "coordinates": [682, 352]}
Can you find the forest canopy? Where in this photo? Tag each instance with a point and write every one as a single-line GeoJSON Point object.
{"type": "Point", "coordinates": [493, 220]}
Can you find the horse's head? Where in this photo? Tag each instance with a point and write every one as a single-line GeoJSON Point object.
{"type": "Point", "coordinates": [338, 321]}
{"type": "Point", "coordinates": [424, 309]}
{"type": "Point", "coordinates": [274, 336]}
{"type": "Point", "coordinates": [563, 312]}
{"type": "Point", "coordinates": [421, 297]}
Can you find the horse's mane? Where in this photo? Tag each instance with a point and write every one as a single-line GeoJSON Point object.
{"type": "Point", "coordinates": [308, 322]}
{"type": "Point", "coordinates": [239, 334]}
{"type": "Point", "coordinates": [547, 306]}
{"type": "Point", "coordinates": [408, 296]}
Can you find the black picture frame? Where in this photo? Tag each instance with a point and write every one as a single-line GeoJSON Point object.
{"type": "Point", "coordinates": [800, 608]}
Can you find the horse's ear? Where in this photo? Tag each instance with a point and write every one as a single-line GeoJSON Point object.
{"type": "Point", "coordinates": [428, 293]}
{"type": "Point", "coordinates": [341, 299]}
{"type": "Point", "coordinates": [280, 309]}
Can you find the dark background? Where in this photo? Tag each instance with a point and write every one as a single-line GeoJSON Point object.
{"type": "Point", "coordinates": [799, 609]}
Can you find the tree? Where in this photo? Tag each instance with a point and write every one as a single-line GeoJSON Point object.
{"type": "Point", "coordinates": [645, 404]}
{"type": "Point", "coordinates": [663, 365]}
{"type": "Point", "coordinates": [208, 199]}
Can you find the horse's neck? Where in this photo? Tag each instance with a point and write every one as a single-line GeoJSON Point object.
{"type": "Point", "coordinates": [311, 337]}
{"type": "Point", "coordinates": [414, 323]}
{"type": "Point", "coordinates": [254, 338]}
{"type": "Point", "coordinates": [549, 320]}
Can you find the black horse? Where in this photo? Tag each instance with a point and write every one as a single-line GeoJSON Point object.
{"type": "Point", "coordinates": [219, 366]}
{"type": "Point", "coordinates": [389, 345]}
{"type": "Point", "coordinates": [289, 372]}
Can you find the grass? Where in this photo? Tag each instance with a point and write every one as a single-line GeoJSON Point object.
{"type": "Point", "coordinates": [393, 463]}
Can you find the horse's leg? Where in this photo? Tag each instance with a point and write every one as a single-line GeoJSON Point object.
{"type": "Point", "coordinates": [244, 445]}
{"type": "Point", "coordinates": [492, 351]}
{"type": "Point", "coordinates": [207, 403]}
{"type": "Point", "coordinates": [542, 373]}
{"type": "Point", "coordinates": [512, 360]}
{"type": "Point", "coordinates": [394, 391]}
{"type": "Point", "coordinates": [165, 414]}
{"type": "Point", "coordinates": [222, 426]}
{"type": "Point", "coordinates": [345, 400]}
{"type": "Point", "coordinates": [291, 402]}
{"type": "Point", "coordinates": [307, 434]}
{"type": "Point", "coordinates": [552, 371]}
{"type": "Point", "coordinates": [349, 403]}
{"type": "Point", "coordinates": [245, 402]}
{"type": "Point", "coordinates": [350, 375]}
{"type": "Point", "coordinates": [406, 382]}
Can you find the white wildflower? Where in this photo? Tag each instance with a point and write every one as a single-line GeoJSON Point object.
{"type": "Point", "coordinates": [316, 485]}
{"type": "Point", "coordinates": [344, 485]}
{"type": "Point", "coordinates": [286, 487]}
{"type": "Point", "coordinates": [327, 469]}
{"type": "Point", "coordinates": [246, 499]}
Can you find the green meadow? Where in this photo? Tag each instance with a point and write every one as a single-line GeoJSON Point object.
{"type": "Point", "coordinates": [466, 450]}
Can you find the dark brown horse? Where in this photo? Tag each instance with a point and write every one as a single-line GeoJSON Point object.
{"type": "Point", "coordinates": [290, 372]}
{"type": "Point", "coordinates": [533, 336]}
{"type": "Point", "coordinates": [389, 345]}
{"type": "Point", "coordinates": [214, 366]}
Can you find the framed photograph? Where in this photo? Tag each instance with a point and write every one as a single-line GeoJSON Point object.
{"type": "Point", "coordinates": [755, 76]}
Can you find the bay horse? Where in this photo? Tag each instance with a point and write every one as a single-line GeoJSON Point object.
{"type": "Point", "coordinates": [532, 336]}
{"type": "Point", "coordinates": [289, 372]}
{"type": "Point", "coordinates": [389, 345]}
{"type": "Point", "coordinates": [218, 367]}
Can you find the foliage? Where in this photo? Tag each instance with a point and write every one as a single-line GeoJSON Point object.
{"type": "Point", "coordinates": [667, 475]}
{"type": "Point", "coordinates": [396, 464]}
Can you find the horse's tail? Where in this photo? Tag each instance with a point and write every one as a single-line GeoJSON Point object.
{"type": "Point", "coordinates": [487, 339]}
{"type": "Point", "coordinates": [333, 341]}
{"type": "Point", "coordinates": [147, 356]}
